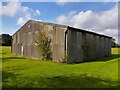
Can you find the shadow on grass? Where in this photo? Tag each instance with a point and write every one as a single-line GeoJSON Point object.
{"type": "Point", "coordinates": [6, 75]}
{"type": "Point", "coordinates": [2, 53]}
{"type": "Point", "coordinates": [105, 58]}
{"type": "Point", "coordinates": [11, 80]}
{"type": "Point", "coordinates": [108, 58]}
{"type": "Point", "coordinates": [81, 81]}
{"type": "Point", "coordinates": [12, 58]}
{"type": "Point", "coordinates": [8, 78]}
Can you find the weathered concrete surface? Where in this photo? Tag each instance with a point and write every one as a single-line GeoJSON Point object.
{"type": "Point", "coordinates": [59, 43]}
{"type": "Point", "coordinates": [74, 47]}
{"type": "Point", "coordinates": [79, 45]}
{"type": "Point", "coordinates": [26, 35]}
{"type": "Point", "coordinates": [86, 46]}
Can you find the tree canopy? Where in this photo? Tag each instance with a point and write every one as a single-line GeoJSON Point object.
{"type": "Point", "coordinates": [114, 44]}
{"type": "Point", "coordinates": [5, 40]}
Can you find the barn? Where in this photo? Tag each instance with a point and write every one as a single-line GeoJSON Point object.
{"type": "Point", "coordinates": [75, 44]}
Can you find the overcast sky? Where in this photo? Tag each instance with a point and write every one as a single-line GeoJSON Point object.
{"type": "Point", "coordinates": [99, 17]}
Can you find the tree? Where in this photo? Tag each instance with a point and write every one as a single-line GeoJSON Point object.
{"type": "Point", "coordinates": [5, 40]}
{"type": "Point", "coordinates": [114, 44]}
{"type": "Point", "coordinates": [43, 43]}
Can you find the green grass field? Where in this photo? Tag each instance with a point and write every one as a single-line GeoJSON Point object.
{"type": "Point", "coordinates": [22, 72]}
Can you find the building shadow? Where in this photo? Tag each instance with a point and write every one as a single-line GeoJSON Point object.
{"type": "Point", "coordinates": [2, 53]}
{"type": "Point", "coordinates": [12, 58]}
{"type": "Point", "coordinates": [6, 77]}
{"type": "Point", "coordinates": [103, 59]}
{"type": "Point", "coordinates": [82, 81]}
{"type": "Point", "coordinates": [108, 58]}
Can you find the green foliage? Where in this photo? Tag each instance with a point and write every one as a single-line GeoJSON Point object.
{"type": "Point", "coordinates": [21, 72]}
{"type": "Point", "coordinates": [64, 59]}
{"type": "Point", "coordinates": [5, 40]}
{"type": "Point", "coordinates": [114, 44]}
{"type": "Point", "coordinates": [44, 46]}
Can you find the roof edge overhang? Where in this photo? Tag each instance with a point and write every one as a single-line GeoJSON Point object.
{"type": "Point", "coordinates": [82, 30]}
{"type": "Point", "coordinates": [68, 27]}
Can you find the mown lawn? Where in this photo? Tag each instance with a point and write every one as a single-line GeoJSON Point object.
{"type": "Point", "coordinates": [22, 72]}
